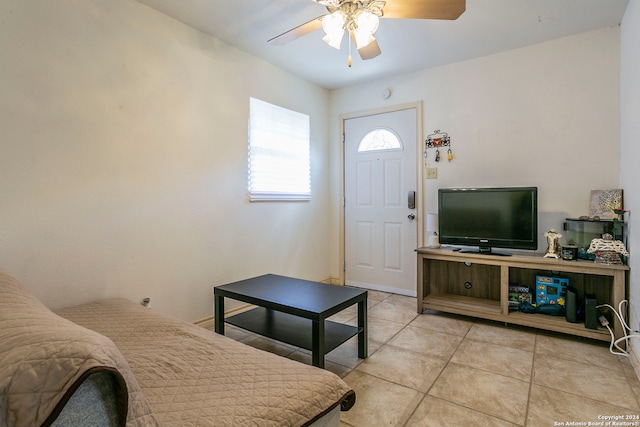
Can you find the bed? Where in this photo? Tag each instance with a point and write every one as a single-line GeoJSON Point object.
{"type": "Point", "coordinates": [117, 363]}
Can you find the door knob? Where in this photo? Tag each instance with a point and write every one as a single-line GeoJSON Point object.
{"type": "Point", "coordinates": [411, 217]}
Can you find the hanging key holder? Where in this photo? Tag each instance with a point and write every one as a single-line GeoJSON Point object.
{"type": "Point", "coordinates": [437, 140]}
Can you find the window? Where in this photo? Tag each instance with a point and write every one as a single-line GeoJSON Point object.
{"type": "Point", "coordinates": [279, 153]}
{"type": "Point", "coordinates": [379, 139]}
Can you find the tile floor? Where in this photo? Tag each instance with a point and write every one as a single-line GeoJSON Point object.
{"type": "Point", "coordinates": [444, 370]}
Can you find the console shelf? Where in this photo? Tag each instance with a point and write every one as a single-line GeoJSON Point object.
{"type": "Point", "coordinates": [477, 285]}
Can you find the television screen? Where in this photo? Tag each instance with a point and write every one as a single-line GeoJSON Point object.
{"type": "Point", "coordinates": [505, 217]}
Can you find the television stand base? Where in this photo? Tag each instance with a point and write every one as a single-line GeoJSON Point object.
{"type": "Point", "coordinates": [475, 251]}
{"type": "Point", "coordinates": [442, 274]}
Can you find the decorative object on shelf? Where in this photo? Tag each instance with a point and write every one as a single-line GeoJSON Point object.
{"type": "Point", "coordinates": [433, 241]}
{"type": "Point", "coordinates": [436, 140]}
{"type": "Point", "coordinates": [553, 244]}
{"type": "Point", "coordinates": [607, 250]}
{"type": "Point", "coordinates": [618, 221]}
{"type": "Point", "coordinates": [570, 252]}
{"type": "Point", "coordinates": [604, 203]}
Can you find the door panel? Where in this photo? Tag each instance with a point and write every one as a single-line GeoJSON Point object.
{"type": "Point", "coordinates": [380, 239]}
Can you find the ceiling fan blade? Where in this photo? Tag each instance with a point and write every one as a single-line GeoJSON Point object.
{"type": "Point", "coordinates": [424, 9]}
{"type": "Point", "coordinates": [299, 31]}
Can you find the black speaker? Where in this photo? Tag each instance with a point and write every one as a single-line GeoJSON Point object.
{"type": "Point", "coordinates": [573, 312]}
{"type": "Point", "coordinates": [590, 312]}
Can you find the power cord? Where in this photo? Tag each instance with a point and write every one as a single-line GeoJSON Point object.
{"type": "Point", "coordinates": [625, 329]}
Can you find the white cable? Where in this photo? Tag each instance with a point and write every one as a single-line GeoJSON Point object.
{"type": "Point", "coordinates": [613, 343]}
{"type": "Point", "coordinates": [625, 326]}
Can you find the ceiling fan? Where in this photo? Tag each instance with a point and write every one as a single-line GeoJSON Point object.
{"type": "Point", "coordinates": [360, 19]}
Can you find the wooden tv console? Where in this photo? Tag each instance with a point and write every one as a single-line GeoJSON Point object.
{"type": "Point", "coordinates": [478, 285]}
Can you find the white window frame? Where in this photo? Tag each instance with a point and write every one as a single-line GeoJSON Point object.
{"type": "Point", "coordinates": [279, 153]}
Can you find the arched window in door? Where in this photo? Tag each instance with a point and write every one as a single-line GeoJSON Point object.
{"type": "Point", "coordinates": [379, 139]}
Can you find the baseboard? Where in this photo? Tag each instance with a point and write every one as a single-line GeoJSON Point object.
{"type": "Point", "coordinates": [331, 281]}
{"type": "Point", "coordinates": [634, 358]}
{"type": "Point", "coordinates": [208, 322]}
{"type": "Point", "coordinates": [388, 289]}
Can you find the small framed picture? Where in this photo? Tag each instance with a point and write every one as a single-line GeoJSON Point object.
{"type": "Point", "coordinates": [604, 202]}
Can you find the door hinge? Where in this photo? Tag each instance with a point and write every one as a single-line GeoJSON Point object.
{"type": "Point", "coordinates": [343, 137]}
{"type": "Point", "coordinates": [344, 266]}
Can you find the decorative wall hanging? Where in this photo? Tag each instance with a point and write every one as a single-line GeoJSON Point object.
{"type": "Point", "coordinates": [436, 140]}
{"type": "Point", "coordinates": [604, 203]}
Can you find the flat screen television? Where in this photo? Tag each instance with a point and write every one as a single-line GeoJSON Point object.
{"type": "Point", "coordinates": [504, 217]}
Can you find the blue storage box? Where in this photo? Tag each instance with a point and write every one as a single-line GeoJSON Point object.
{"type": "Point", "coordinates": [551, 290]}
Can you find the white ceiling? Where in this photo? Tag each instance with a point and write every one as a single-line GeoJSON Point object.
{"type": "Point", "coordinates": [486, 27]}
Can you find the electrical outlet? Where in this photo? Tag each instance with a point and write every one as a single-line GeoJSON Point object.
{"type": "Point", "coordinates": [432, 173]}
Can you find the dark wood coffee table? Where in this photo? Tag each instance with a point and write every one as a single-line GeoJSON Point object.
{"type": "Point", "coordinates": [294, 311]}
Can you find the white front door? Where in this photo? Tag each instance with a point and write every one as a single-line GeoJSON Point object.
{"type": "Point", "coordinates": [380, 229]}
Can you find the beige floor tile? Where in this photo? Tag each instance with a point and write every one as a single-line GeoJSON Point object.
{"type": "Point", "coordinates": [492, 394]}
{"type": "Point", "coordinates": [549, 407]}
{"type": "Point", "coordinates": [510, 337]}
{"type": "Point", "coordinates": [585, 380]}
{"type": "Point", "coordinates": [345, 315]}
{"type": "Point", "coordinates": [592, 353]}
{"type": "Point", "coordinates": [409, 302]}
{"type": "Point", "coordinates": [236, 333]}
{"type": "Point", "coordinates": [304, 356]}
{"type": "Point", "coordinates": [442, 323]}
{"type": "Point", "coordinates": [347, 353]}
{"type": "Point", "coordinates": [632, 378]}
{"type": "Point", "coordinates": [414, 370]}
{"type": "Point", "coordinates": [379, 402]}
{"type": "Point", "coordinates": [434, 412]}
{"type": "Point", "coordinates": [377, 296]}
{"type": "Point", "coordinates": [396, 312]}
{"type": "Point", "coordinates": [381, 330]}
{"type": "Point", "coordinates": [428, 342]}
{"type": "Point", "coordinates": [498, 359]}
{"type": "Point", "coordinates": [269, 345]}
{"type": "Point", "coordinates": [483, 371]}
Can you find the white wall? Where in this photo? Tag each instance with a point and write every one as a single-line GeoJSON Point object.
{"type": "Point", "coordinates": [123, 159]}
{"type": "Point", "coordinates": [544, 115]}
{"type": "Point", "coordinates": [630, 150]}
{"type": "Point", "coordinates": [123, 154]}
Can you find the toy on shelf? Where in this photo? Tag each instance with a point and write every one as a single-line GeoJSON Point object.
{"type": "Point", "coordinates": [553, 244]}
{"type": "Point", "coordinates": [607, 250]}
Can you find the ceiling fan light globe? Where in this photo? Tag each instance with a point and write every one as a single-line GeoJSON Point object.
{"type": "Point", "coordinates": [333, 26]}
{"type": "Point", "coordinates": [366, 25]}
{"type": "Point", "coordinates": [334, 39]}
{"type": "Point", "coordinates": [363, 39]}
{"type": "Point", "coordinates": [367, 21]}
{"type": "Point", "coordinates": [333, 22]}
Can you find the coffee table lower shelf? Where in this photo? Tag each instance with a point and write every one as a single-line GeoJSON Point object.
{"type": "Point", "coordinates": [291, 329]}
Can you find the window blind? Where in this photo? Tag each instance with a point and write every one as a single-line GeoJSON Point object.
{"type": "Point", "coordinates": [279, 153]}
